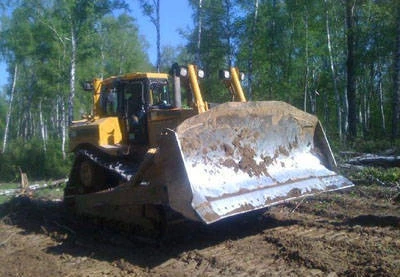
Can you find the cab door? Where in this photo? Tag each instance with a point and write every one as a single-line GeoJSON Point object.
{"type": "Point", "coordinates": [133, 94]}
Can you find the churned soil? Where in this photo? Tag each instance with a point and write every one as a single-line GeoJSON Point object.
{"type": "Point", "coordinates": [354, 232]}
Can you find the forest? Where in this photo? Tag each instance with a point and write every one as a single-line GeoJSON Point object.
{"type": "Point", "coordinates": [337, 59]}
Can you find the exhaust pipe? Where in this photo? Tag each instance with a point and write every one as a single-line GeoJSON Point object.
{"type": "Point", "coordinates": [177, 86]}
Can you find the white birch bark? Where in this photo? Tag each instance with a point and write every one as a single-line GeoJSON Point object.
{"type": "Point", "coordinates": [380, 93]}
{"type": "Point", "coordinates": [72, 76]}
{"type": "Point", "coordinates": [307, 67]}
{"type": "Point", "coordinates": [158, 30]}
{"type": "Point", "coordinates": [333, 74]}
{"type": "Point", "coordinates": [199, 30]}
{"type": "Point", "coordinates": [251, 50]}
{"type": "Point", "coordinates": [63, 129]}
{"type": "Point", "coordinates": [8, 119]}
{"type": "Point", "coordinates": [42, 127]}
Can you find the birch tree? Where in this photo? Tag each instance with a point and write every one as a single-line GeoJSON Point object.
{"type": "Point", "coordinates": [152, 10]}
{"type": "Point", "coordinates": [350, 64]}
{"type": "Point", "coordinates": [9, 111]}
{"type": "Point", "coordinates": [396, 78]}
{"type": "Point", "coordinates": [332, 67]}
{"type": "Point", "coordinates": [199, 31]}
{"type": "Point", "coordinates": [251, 50]}
{"type": "Point", "coordinates": [79, 18]}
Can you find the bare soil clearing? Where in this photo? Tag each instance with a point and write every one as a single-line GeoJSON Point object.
{"type": "Point", "coordinates": [355, 232]}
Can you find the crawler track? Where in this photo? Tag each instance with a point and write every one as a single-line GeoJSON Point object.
{"type": "Point", "coordinates": [95, 171]}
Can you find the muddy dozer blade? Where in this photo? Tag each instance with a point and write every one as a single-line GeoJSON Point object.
{"type": "Point", "coordinates": [239, 157]}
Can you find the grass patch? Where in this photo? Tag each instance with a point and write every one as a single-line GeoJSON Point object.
{"type": "Point", "coordinates": [377, 176]}
{"type": "Point", "coordinates": [5, 198]}
{"type": "Point", "coordinates": [50, 193]}
{"type": "Point", "coordinates": [7, 186]}
{"type": "Point", "coordinates": [4, 186]}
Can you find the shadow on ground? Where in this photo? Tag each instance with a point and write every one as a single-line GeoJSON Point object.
{"type": "Point", "coordinates": [374, 221]}
{"type": "Point", "coordinates": [81, 238]}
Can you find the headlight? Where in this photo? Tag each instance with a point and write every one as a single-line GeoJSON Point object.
{"type": "Point", "coordinates": [224, 75]}
{"type": "Point", "coordinates": [242, 76]}
{"type": "Point", "coordinates": [200, 73]}
{"type": "Point", "coordinates": [183, 71]}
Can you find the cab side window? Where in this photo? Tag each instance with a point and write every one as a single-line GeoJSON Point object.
{"type": "Point", "coordinates": [108, 101]}
{"type": "Point", "coordinates": [133, 93]}
{"type": "Point", "coordinates": [135, 112]}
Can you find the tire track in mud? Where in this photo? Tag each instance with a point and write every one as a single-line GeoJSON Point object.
{"type": "Point", "coordinates": [339, 248]}
{"type": "Point", "coordinates": [337, 234]}
{"type": "Point", "coordinates": [250, 256]}
{"type": "Point", "coordinates": [331, 235]}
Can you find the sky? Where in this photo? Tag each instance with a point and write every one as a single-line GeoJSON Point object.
{"type": "Point", "coordinates": [174, 15]}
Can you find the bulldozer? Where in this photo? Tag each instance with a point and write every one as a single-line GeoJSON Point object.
{"type": "Point", "coordinates": [141, 158]}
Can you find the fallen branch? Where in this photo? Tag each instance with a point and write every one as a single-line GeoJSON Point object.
{"type": "Point", "coordinates": [348, 166]}
{"type": "Point", "coordinates": [298, 205]}
{"type": "Point", "coordinates": [24, 180]}
{"type": "Point", "coordinates": [26, 188]}
{"type": "Point", "coordinates": [7, 239]}
{"type": "Point", "coordinates": [44, 230]}
{"type": "Point", "coordinates": [9, 192]}
{"type": "Point", "coordinates": [375, 160]}
{"type": "Point", "coordinates": [52, 184]}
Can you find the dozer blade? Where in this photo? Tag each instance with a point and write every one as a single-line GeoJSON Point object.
{"type": "Point", "coordinates": [239, 157]}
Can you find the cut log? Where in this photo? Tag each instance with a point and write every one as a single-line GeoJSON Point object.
{"type": "Point", "coordinates": [24, 180]}
{"type": "Point", "coordinates": [375, 160]}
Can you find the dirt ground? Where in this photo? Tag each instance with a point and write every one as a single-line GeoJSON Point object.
{"type": "Point", "coordinates": [355, 232]}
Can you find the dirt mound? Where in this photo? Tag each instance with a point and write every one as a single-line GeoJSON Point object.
{"type": "Point", "coordinates": [354, 232]}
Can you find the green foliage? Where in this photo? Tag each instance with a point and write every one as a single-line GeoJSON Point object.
{"type": "Point", "coordinates": [8, 171]}
{"type": "Point", "coordinates": [4, 199]}
{"type": "Point", "coordinates": [171, 55]}
{"type": "Point", "coordinates": [31, 159]}
{"type": "Point", "coordinates": [50, 192]}
{"type": "Point", "coordinates": [287, 48]}
{"type": "Point", "coordinates": [3, 111]}
{"type": "Point", "coordinates": [377, 176]}
{"type": "Point", "coordinates": [6, 186]}
{"type": "Point", "coordinates": [372, 146]}
{"type": "Point", "coordinates": [36, 38]}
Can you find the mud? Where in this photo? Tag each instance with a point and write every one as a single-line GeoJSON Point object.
{"type": "Point", "coordinates": [346, 233]}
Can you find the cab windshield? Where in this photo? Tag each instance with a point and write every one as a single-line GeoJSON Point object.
{"type": "Point", "coordinates": [159, 94]}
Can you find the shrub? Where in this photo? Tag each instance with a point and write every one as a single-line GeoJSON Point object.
{"type": "Point", "coordinates": [33, 160]}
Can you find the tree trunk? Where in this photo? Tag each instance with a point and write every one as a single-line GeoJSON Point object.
{"type": "Point", "coordinates": [396, 80]}
{"type": "Point", "coordinates": [72, 76]}
{"type": "Point", "coordinates": [345, 112]}
{"type": "Point", "coordinates": [199, 30]}
{"type": "Point", "coordinates": [272, 45]}
{"type": "Point", "coordinates": [158, 30]}
{"type": "Point", "coordinates": [8, 119]}
{"type": "Point", "coordinates": [306, 84]}
{"type": "Point", "coordinates": [380, 93]}
{"type": "Point", "coordinates": [228, 31]}
{"type": "Point", "coordinates": [63, 129]}
{"type": "Point", "coordinates": [364, 114]}
{"type": "Point", "coordinates": [333, 75]}
{"type": "Point", "coordinates": [42, 126]}
{"type": "Point", "coordinates": [251, 51]}
{"type": "Point", "coordinates": [148, 10]}
{"type": "Point", "coordinates": [351, 81]}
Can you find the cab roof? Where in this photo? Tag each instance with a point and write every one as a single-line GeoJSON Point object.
{"type": "Point", "coordinates": [136, 75]}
